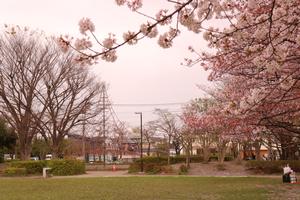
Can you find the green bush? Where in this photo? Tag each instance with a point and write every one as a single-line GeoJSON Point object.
{"type": "Point", "coordinates": [228, 158]}
{"type": "Point", "coordinates": [149, 168]}
{"type": "Point", "coordinates": [1, 156]}
{"type": "Point", "coordinates": [32, 167]}
{"type": "Point", "coordinates": [66, 167]}
{"type": "Point", "coordinates": [154, 165]}
{"type": "Point", "coordinates": [151, 165]}
{"type": "Point", "coordinates": [183, 169]}
{"type": "Point", "coordinates": [152, 168]}
{"type": "Point", "coordinates": [270, 167]}
{"type": "Point", "coordinates": [157, 164]}
{"type": "Point", "coordinates": [15, 171]}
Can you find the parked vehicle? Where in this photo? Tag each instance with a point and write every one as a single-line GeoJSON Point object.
{"type": "Point", "coordinates": [48, 157]}
{"type": "Point", "coordinates": [34, 158]}
{"type": "Point", "coordinates": [7, 157]}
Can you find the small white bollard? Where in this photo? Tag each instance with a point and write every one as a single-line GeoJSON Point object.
{"type": "Point", "coordinates": [45, 171]}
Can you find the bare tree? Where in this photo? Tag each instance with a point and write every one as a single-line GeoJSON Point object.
{"type": "Point", "coordinates": [120, 134]}
{"type": "Point", "coordinates": [24, 58]}
{"type": "Point", "coordinates": [70, 98]}
{"type": "Point", "coordinates": [149, 132]}
{"type": "Point", "coordinates": [186, 138]}
{"type": "Point", "coordinates": [167, 125]}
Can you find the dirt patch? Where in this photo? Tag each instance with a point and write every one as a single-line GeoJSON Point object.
{"type": "Point", "coordinates": [213, 169]}
{"type": "Point", "coordinates": [2, 167]}
{"type": "Point", "coordinates": [285, 191]}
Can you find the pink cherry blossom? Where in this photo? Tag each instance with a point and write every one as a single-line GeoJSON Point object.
{"type": "Point", "coordinates": [85, 24]}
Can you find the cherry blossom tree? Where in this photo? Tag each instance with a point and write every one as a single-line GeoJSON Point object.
{"type": "Point", "coordinates": [256, 56]}
{"type": "Point", "coordinates": [189, 14]}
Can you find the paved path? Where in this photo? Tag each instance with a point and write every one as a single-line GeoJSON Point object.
{"type": "Point", "coordinates": [90, 174]}
{"type": "Point", "coordinates": [124, 173]}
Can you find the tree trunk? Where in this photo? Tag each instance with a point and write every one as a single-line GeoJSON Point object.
{"type": "Point", "coordinates": [222, 147]}
{"type": "Point", "coordinates": [206, 154]}
{"type": "Point", "coordinates": [54, 154]}
{"type": "Point", "coordinates": [25, 151]}
{"type": "Point", "coordinates": [187, 158]}
{"type": "Point", "coordinates": [148, 150]}
{"type": "Point", "coordinates": [221, 154]}
{"type": "Point", "coordinates": [55, 151]}
{"type": "Point", "coordinates": [169, 146]}
{"type": "Point", "coordinates": [257, 146]}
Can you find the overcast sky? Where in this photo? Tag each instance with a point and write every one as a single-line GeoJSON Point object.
{"type": "Point", "coordinates": [142, 74]}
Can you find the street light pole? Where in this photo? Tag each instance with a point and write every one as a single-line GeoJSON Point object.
{"type": "Point", "coordinates": [141, 155]}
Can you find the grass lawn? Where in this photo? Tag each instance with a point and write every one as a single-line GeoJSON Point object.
{"type": "Point", "coordinates": [143, 188]}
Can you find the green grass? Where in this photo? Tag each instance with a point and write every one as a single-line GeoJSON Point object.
{"type": "Point", "coordinates": [134, 188]}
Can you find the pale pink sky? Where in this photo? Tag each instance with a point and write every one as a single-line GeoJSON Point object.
{"type": "Point", "coordinates": [142, 74]}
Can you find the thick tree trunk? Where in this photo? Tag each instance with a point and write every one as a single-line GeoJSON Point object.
{"type": "Point", "coordinates": [206, 154]}
{"type": "Point", "coordinates": [56, 152]}
{"type": "Point", "coordinates": [25, 151]}
{"type": "Point", "coordinates": [257, 146]}
{"type": "Point", "coordinates": [221, 155]}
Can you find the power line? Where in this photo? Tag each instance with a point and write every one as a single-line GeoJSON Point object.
{"type": "Point", "coordinates": [149, 104]}
{"type": "Point", "coordinates": [147, 111]}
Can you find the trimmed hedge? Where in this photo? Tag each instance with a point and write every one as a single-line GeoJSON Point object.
{"type": "Point", "coordinates": [58, 167]}
{"type": "Point", "coordinates": [32, 167]}
{"type": "Point", "coordinates": [270, 167]}
{"type": "Point", "coordinates": [66, 167]}
{"type": "Point", "coordinates": [14, 171]}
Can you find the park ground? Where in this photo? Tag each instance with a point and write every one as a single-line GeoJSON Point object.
{"type": "Point", "coordinates": [204, 181]}
{"type": "Point", "coordinates": [147, 188]}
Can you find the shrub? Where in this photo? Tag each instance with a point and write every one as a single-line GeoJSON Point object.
{"type": "Point", "coordinates": [152, 168]}
{"type": "Point", "coordinates": [182, 159]}
{"type": "Point", "coordinates": [183, 169]}
{"type": "Point", "coordinates": [66, 167]}
{"type": "Point", "coordinates": [32, 167]}
{"type": "Point", "coordinates": [270, 167]}
{"type": "Point", "coordinates": [220, 167]}
{"type": "Point", "coordinates": [152, 165]}
{"type": "Point", "coordinates": [15, 171]}
{"type": "Point", "coordinates": [167, 169]}
{"type": "Point", "coordinates": [156, 160]}
{"type": "Point", "coordinates": [134, 168]}
{"type": "Point", "coordinates": [1, 156]}
{"type": "Point", "coordinates": [213, 158]}
{"type": "Point", "coordinates": [158, 164]}
{"type": "Point", "coordinates": [228, 158]}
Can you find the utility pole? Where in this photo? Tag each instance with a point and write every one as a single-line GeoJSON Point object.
{"type": "Point", "coordinates": [83, 140]}
{"type": "Point", "coordinates": [104, 125]}
{"type": "Point", "coordinates": [141, 154]}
